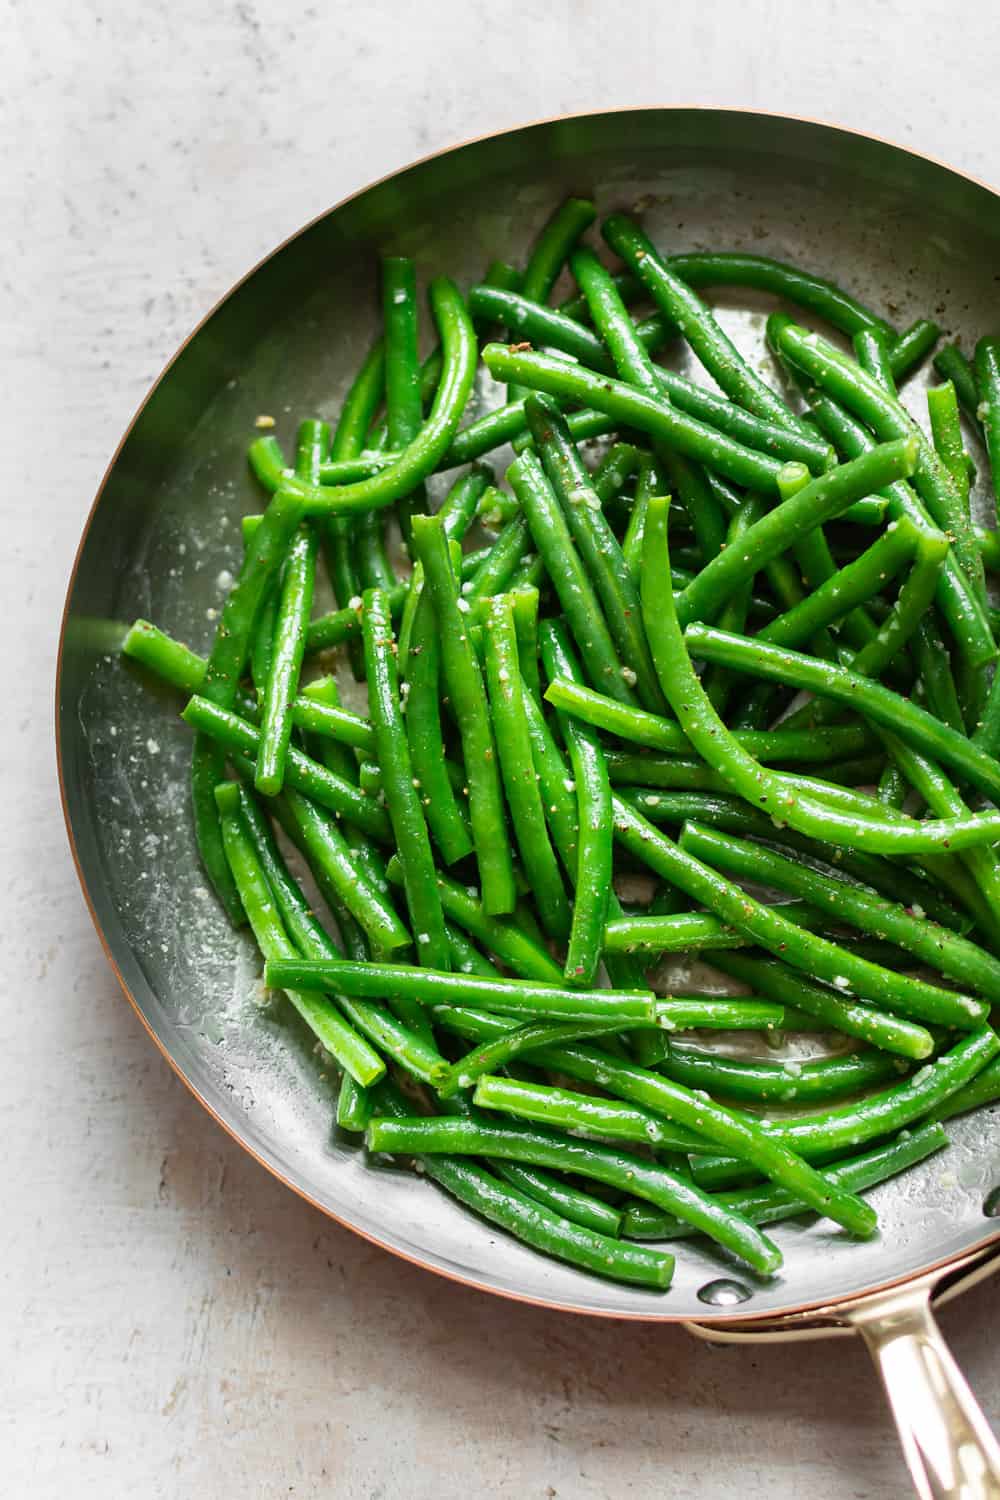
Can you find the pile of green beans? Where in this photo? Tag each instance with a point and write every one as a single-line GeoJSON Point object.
{"type": "Point", "coordinates": [533, 798]}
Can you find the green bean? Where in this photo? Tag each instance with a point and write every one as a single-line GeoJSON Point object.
{"type": "Point", "coordinates": [683, 932]}
{"type": "Point", "coordinates": [768, 1204]}
{"type": "Point", "coordinates": [737, 268]}
{"type": "Point", "coordinates": [421, 456]}
{"type": "Point", "coordinates": [402, 798]}
{"type": "Point", "coordinates": [502, 561]}
{"type": "Point", "coordinates": [857, 1121]}
{"type": "Point", "coordinates": [797, 1082]}
{"type": "Point", "coordinates": [682, 307]}
{"type": "Point", "coordinates": [984, 1089]}
{"type": "Point", "coordinates": [302, 773]}
{"type": "Point", "coordinates": [446, 819]}
{"type": "Point", "coordinates": [877, 703]}
{"type": "Point", "coordinates": [597, 544]}
{"type": "Point", "coordinates": [951, 364]}
{"type": "Point", "coordinates": [614, 471]}
{"type": "Point", "coordinates": [514, 746]}
{"type": "Point", "coordinates": [286, 661]}
{"type": "Point", "coordinates": [987, 378]}
{"type": "Point", "coordinates": [496, 1054]}
{"type": "Point", "coordinates": [555, 376]}
{"type": "Point", "coordinates": [950, 954]}
{"type": "Point", "coordinates": [817, 567]}
{"type": "Point", "coordinates": [649, 483]}
{"type": "Point", "coordinates": [777, 529]}
{"type": "Point", "coordinates": [658, 733]}
{"type": "Point", "coordinates": [413, 1051]}
{"type": "Point", "coordinates": [804, 950]}
{"type": "Point", "coordinates": [946, 430]}
{"type": "Point", "coordinates": [244, 849]}
{"type": "Point", "coordinates": [906, 352]}
{"type": "Point", "coordinates": [534, 1223]}
{"type": "Point", "coordinates": [704, 1117]}
{"type": "Point", "coordinates": [573, 587]}
{"type": "Point", "coordinates": [959, 603]}
{"type": "Point", "coordinates": [354, 1106]}
{"type": "Point", "coordinates": [865, 396]}
{"type": "Point", "coordinates": [404, 407]}
{"type": "Point", "coordinates": [431, 987]}
{"type": "Point", "coordinates": [208, 765]}
{"type": "Point", "coordinates": [465, 956]}
{"type": "Point", "coordinates": [616, 1168]}
{"type": "Point", "coordinates": [331, 722]}
{"type": "Point", "coordinates": [341, 625]}
{"type": "Point", "coordinates": [468, 698]}
{"type": "Point", "coordinates": [595, 862]}
{"type": "Point", "coordinates": [548, 328]}
{"type": "Point", "coordinates": [934, 667]}
{"type": "Point", "coordinates": [890, 1033]}
{"type": "Point", "coordinates": [520, 953]}
{"type": "Point", "coordinates": [545, 1188]}
{"type": "Point", "coordinates": [524, 605]}
{"type": "Point", "coordinates": [871, 350]}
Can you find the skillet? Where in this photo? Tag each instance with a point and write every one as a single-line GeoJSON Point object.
{"type": "Point", "coordinates": [910, 237]}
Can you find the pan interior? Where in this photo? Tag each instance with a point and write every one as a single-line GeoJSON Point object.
{"type": "Point", "coordinates": [907, 236]}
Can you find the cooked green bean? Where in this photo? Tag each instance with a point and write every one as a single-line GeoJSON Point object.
{"type": "Point", "coordinates": [554, 376]}
{"type": "Point", "coordinates": [354, 1106]}
{"type": "Point", "coordinates": [302, 773]}
{"type": "Point", "coordinates": [777, 529]}
{"type": "Point", "coordinates": [570, 579]}
{"type": "Point", "coordinates": [597, 544]}
{"type": "Point", "coordinates": [950, 954]}
{"type": "Point", "coordinates": [685, 309]}
{"type": "Point", "coordinates": [906, 352]}
{"type": "Point", "coordinates": [243, 849]}
{"type": "Point", "coordinates": [594, 867]}
{"type": "Point", "coordinates": [946, 430]}
{"type": "Point", "coordinates": [286, 661]}
{"type": "Point", "coordinates": [468, 697]}
{"type": "Point", "coordinates": [769, 1204]}
{"type": "Point", "coordinates": [877, 703]}
{"type": "Point", "coordinates": [496, 1054]}
{"type": "Point", "coordinates": [446, 819]}
{"type": "Point", "coordinates": [404, 407]}
{"type": "Point", "coordinates": [857, 1121]}
{"type": "Point", "coordinates": [987, 378]}
{"type": "Point", "coordinates": [513, 741]}
{"type": "Point", "coordinates": [712, 1121]}
{"type": "Point", "coordinates": [616, 1168]}
{"type": "Point", "coordinates": [659, 733]}
{"type": "Point", "coordinates": [521, 954]}
{"type": "Point", "coordinates": [798, 1082]}
{"type": "Point", "coordinates": [534, 1223]}
{"type": "Point", "coordinates": [951, 364]}
{"type": "Point", "coordinates": [430, 987]}
{"type": "Point", "coordinates": [866, 397]}
{"type": "Point", "coordinates": [420, 457]}
{"type": "Point", "coordinates": [401, 795]}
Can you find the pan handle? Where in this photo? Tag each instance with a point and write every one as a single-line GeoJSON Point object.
{"type": "Point", "coordinates": [947, 1443]}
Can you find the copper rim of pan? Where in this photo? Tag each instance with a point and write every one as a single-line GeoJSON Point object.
{"type": "Point", "coordinates": [820, 1305]}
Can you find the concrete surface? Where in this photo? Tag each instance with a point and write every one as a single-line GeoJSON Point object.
{"type": "Point", "coordinates": [176, 1323]}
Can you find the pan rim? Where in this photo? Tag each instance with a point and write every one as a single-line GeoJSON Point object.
{"type": "Point", "coordinates": [717, 1316]}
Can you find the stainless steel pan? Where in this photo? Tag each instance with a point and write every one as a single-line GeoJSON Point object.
{"type": "Point", "coordinates": [904, 233]}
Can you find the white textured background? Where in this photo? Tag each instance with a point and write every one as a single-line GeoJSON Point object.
{"type": "Point", "coordinates": [176, 1323]}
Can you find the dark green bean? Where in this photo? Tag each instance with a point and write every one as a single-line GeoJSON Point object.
{"type": "Point", "coordinates": [766, 1205]}
{"type": "Point", "coordinates": [616, 1168]}
{"type": "Point", "coordinates": [468, 698]}
{"type": "Point", "coordinates": [534, 1223]}
{"type": "Point", "coordinates": [597, 544]}
{"type": "Point", "coordinates": [404, 407]}
{"type": "Point", "coordinates": [906, 352]}
{"type": "Point", "coordinates": [402, 797]}
{"type": "Point", "coordinates": [595, 862]}
{"type": "Point", "coordinates": [302, 774]}
{"type": "Point", "coordinates": [446, 819]}
{"type": "Point", "coordinates": [286, 661]}
{"type": "Point", "coordinates": [791, 1082]}
{"type": "Point", "coordinates": [431, 987]}
{"type": "Point", "coordinates": [555, 376]}
{"type": "Point", "coordinates": [513, 741]}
